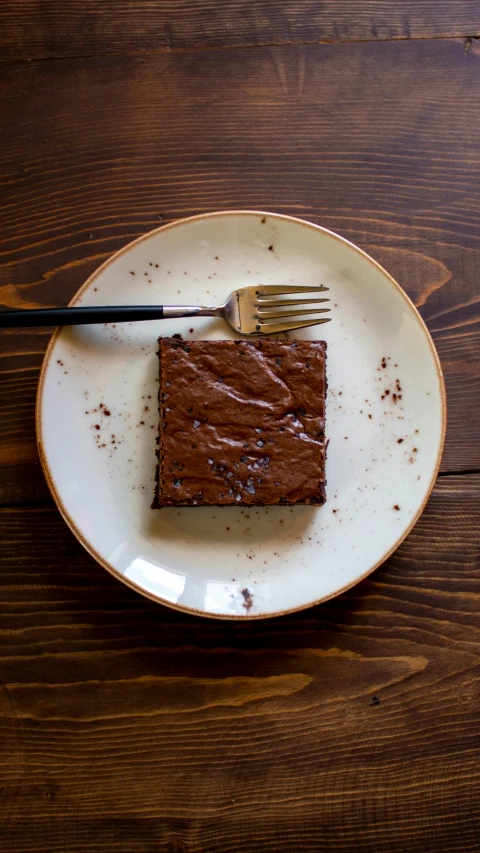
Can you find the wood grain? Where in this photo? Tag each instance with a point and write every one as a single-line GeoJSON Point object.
{"type": "Point", "coordinates": [347, 728]}
{"type": "Point", "coordinates": [95, 152]}
{"type": "Point", "coordinates": [350, 727]}
{"type": "Point", "coordinates": [33, 30]}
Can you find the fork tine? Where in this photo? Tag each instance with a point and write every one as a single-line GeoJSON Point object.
{"type": "Point", "coordinates": [277, 290]}
{"type": "Point", "coordinates": [279, 315]}
{"type": "Point", "coordinates": [270, 304]}
{"type": "Point", "coordinates": [272, 328]}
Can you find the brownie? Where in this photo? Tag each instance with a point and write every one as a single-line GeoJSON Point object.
{"type": "Point", "coordinates": [241, 423]}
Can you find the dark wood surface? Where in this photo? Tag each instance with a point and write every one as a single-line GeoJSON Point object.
{"type": "Point", "coordinates": [353, 726]}
{"type": "Point", "coordinates": [58, 29]}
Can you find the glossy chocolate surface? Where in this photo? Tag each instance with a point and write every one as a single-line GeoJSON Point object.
{"type": "Point", "coordinates": [241, 422]}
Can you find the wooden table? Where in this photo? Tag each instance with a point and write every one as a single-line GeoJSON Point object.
{"type": "Point", "coordinates": [353, 726]}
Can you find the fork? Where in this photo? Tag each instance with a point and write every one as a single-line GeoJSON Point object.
{"type": "Point", "coordinates": [254, 310]}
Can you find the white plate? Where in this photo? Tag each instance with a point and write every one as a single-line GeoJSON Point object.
{"type": "Point", "coordinates": [383, 454]}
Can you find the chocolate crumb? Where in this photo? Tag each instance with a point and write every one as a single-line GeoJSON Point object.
{"type": "Point", "coordinates": [270, 248]}
{"type": "Point", "coordinates": [396, 506]}
{"type": "Point", "coordinates": [248, 598]}
{"type": "Point", "coordinates": [399, 440]}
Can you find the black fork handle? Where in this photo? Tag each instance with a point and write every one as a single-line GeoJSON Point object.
{"type": "Point", "coordinates": [75, 316]}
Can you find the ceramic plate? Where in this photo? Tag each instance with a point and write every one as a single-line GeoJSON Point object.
{"type": "Point", "coordinates": [97, 421]}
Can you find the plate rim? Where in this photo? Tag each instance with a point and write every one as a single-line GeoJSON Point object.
{"type": "Point", "coordinates": [70, 521]}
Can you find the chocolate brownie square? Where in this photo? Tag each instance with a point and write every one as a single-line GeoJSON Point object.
{"type": "Point", "coordinates": [242, 423]}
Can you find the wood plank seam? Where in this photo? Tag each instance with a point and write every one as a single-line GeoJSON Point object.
{"type": "Point", "coordinates": [469, 42]}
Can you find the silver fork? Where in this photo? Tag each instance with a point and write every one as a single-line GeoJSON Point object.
{"type": "Point", "coordinates": [254, 310]}
{"type": "Point", "coordinates": [260, 310]}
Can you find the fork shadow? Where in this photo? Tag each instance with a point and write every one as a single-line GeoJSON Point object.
{"type": "Point", "coordinates": [132, 336]}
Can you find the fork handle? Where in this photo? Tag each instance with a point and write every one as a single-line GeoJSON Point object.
{"type": "Point", "coordinates": [99, 314]}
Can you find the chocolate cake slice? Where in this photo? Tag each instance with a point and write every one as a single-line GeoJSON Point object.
{"type": "Point", "coordinates": [242, 423]}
